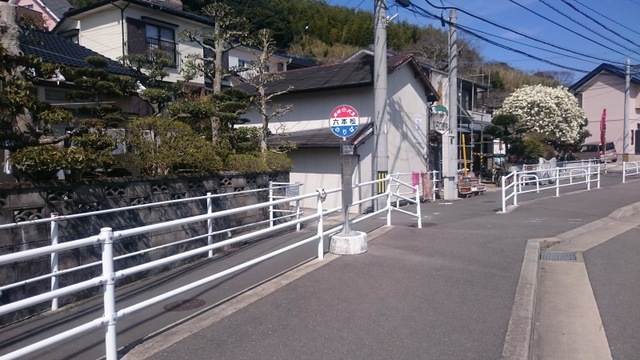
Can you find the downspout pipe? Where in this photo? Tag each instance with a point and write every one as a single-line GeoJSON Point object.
{"type": "Point", "coordinates": [122, 9]}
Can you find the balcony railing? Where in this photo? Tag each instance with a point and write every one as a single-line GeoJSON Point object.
{"type": "Point", "coordinates": [169, 47]}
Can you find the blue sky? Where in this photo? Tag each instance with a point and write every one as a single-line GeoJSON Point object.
{"type": "Point", "coordinates": [618, 32]}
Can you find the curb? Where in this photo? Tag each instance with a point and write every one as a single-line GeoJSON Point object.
{"type": "Point", "coordinates": [518, 341]}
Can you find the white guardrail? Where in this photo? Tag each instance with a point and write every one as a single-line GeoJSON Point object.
{"type": "Point", "coordinates": [630, 168]}
{"type": "Point", "coordinates": [108, 238]}
{"type": "Point", "coordinates": [533, 179]}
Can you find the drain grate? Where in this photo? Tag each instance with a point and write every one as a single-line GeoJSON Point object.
{"type": "Point", "coordinates": [558, 256]}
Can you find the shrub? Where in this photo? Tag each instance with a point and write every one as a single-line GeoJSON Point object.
{"type": "Point", "coordinates": [38, 162]}
{"type": "Point", "coordinates": [278, 162]}
{"type": "Point", "coordinates": [246, 163]}
{"type": "Point", "coordinates": [162, 146]}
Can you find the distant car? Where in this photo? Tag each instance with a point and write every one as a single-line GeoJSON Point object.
{"type": "Point", "coordinates": [594, 151]}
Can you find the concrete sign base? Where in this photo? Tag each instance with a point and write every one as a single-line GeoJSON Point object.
{"type": "Point", "coordinates": [352, 244]}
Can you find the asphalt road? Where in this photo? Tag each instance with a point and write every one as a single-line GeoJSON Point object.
{"type": "Point", "coordinates": [442, 292]}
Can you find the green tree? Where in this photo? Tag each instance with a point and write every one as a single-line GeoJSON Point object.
{"type": "Point", "coordinates": [229, 31]}
{"type": "Point", "coordinates": [260, 81]}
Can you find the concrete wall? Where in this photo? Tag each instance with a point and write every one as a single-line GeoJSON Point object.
{"type": "Point", "coordinates": [22, 203]}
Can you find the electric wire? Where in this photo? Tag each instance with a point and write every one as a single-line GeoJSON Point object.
{"type": "Point", "coordinates": [428, 14]}
{"type": "Point", "coordinates": [511, 30]}
{"type": "Point", "coordinates": [586, 27]}
{"type": "Point", "coordinates": [472, 33]}
{"type": "Point", "coordinates": [564, 27]}
{"type": "Point", "coordinates": [606, 17]}
{"type": "Point", "coordinates": [598, 22]}
{"type": "Point", "coordinates": [533, 46]}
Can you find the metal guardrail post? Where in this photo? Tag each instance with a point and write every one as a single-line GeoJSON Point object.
{"type": "Point", "coordinates": [504, 194]}
{"type": "Point", "coordinates": [557, 182]}
{"type": "Point", "coordinates": [54, 260]}
{"type": "Point", "coordinates": [109, 293]}
{"type": "Point", "coordinates": [320, 223]}
{"type": "Point", "coordinates": [299, 185]}
{"type": "Point", "coordinates": [515, 188]}
{"type": "Point", "coordinates": [588, 176]}
{"type": "Point", "coordinates": [598, 179]}
{"type": "Point", "coordinates": [270, 206]}
{"type": "Point", "coordinates": [624, 171]}
{"type": "Point", "coordinates": [210, 222]}
{"type": "Point", "coordinates": [388, 192]}
{"type": "Point", "coordinates": [418, 211]}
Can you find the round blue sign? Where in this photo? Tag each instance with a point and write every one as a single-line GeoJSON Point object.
{"type": "Point", "coordinates": [344, 121]}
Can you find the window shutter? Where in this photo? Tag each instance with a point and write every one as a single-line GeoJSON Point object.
{"type": "Point", "coordinates": [136, 36]}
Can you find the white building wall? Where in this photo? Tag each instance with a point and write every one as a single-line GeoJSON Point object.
{"type": "Point", "coordinates": [311, 110]}
{"type": "Point", "coordinates": [249, 57]}
{"type": "Point", "coordinates": [102, 33]}
{"type": "Point", "coordinates": [606, 91]}
{"type": "Point", "coordinates": [320, 168]}
{"type": "Point", "coordinates": [408, 116]}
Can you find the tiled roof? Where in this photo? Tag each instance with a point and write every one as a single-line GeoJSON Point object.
{"type": "Point", "coordinates": [612, 69]}
{"type": "Point", "coordinates": [341, 75]}
{"type": "Point", "coordinates": [57, 7]}
{"type": "Point", "coordinates": [52, 48]}
{"type": "Point", "coordinates": [165, 9]}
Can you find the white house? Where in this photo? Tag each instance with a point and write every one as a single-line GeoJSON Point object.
{"type": "Point", "coordinates": [604, 88]}
{"type": "Point", "coordinates": [118, 28]}
{"type": "Point", "coordinates": [316, 91]}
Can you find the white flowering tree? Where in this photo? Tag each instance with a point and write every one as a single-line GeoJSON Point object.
{"type": "Point", "coordinates": [548, 115]}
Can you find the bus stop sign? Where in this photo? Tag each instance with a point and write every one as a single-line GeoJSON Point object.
{"type": "Point", "coordinates": [344, 121]}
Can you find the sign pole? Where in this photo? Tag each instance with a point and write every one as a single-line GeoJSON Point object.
{"type": "Point", "coordinates": [344, 121]}
{"type": "Point", "coordinates": [346, 155]}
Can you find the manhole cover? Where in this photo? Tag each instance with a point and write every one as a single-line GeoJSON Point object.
{"type": "Point", "coordinates": [558, 256]}
{"type": "Point", "coordinates": [182, 305]}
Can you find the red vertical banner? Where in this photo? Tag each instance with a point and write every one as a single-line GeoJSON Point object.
{"type": "Point", "coordinates": [603, 131]}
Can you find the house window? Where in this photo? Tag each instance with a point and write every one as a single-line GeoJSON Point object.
{"type": "Point", "coordinates": [144, 37]}
{"type": "Point", "coordinates": [29, 6]}
{"type": "Point", "coordinates": [280, 67]}
{"type": "Point", "coordinates": [161, 38]}
{"type": "Point", "coordinates": [242, 65]}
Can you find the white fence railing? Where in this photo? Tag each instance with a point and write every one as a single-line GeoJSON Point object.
{"type": "Point", "coordinates": [108, 238]}
{"type": "Point", "coordinates": [535, 180]}
{"type": "Point", "coordinates": [56, 219]}
{"type": "Point", "coordinates": [630, 168]}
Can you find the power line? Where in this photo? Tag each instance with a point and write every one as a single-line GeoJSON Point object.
{"type": "Point", "coordinates": [564, 27]}
{"type": "Point", "coordinates": [606, 17]}
{"type": "Point", "coordinates": [586, 27]}
{"type": "Point", "coordinates": [510, 30]}
{"type": "Point", "coordinates": [463, 29]}
{"type": "Point", "coordinates": [532, 46]}
{"type": "Point", "coordinates": [598, 22]}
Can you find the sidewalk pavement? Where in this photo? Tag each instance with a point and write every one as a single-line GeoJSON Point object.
{"type": "Point", "coordinates": [469, 285]}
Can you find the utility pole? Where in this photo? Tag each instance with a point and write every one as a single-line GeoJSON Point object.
{"type": "Point", "coordinates": [450, 140]}
{"type": "Point", "coordinates": [625, 127]}
{"type": "Point", "coordinates": [381, 153]}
